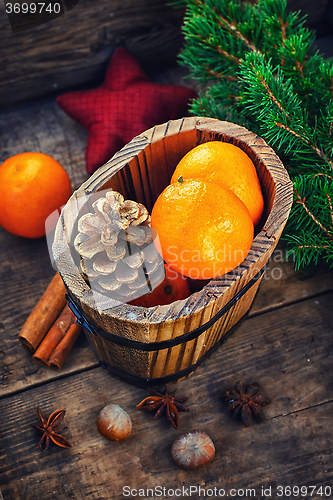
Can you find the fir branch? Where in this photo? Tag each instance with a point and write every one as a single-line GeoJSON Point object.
{"type": "Point", "coordinates": [302, 201]}
{"type": "Point", "coordinates": [323, 175]}
{"type": "Point", "coordinates": [307, 141]}
{"type": "Point", "coordinates": [220, 76]}
{"type": "Point", "coordinates": [223, 22]}
{"type": "Point", "coordinates": [269, 77]}
{"type": "Point", "coordinates": [218, 49]}
{"type": "Point", "coordinates": [330, 205]}
{"type": "Point", "coordinates": [255, 71]}
{"type": "Point", "coordinates": [303, 250]}
{"type": "Point", "coordinates": [317, 247]}
{"type": "Point", "coordinates": [227, 55]}
{"type": "Point", "coordinates": [252, 66]}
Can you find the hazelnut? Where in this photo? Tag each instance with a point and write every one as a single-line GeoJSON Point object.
{"type": "Point", "coordinates": [114, 423]}
{"type": "Point", "coordinates": [193, 450]}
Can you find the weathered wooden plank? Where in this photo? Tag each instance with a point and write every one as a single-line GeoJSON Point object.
{"type": "Point", "coordinates": [24, 275]}
{"type": "Point", "coordinates": [282, 285]}
{"type": "Point", "coordinates": [293, 346]}
{"type": "Point", "coordinates": [42, 126]}
{"type": "Point", "coordinates": [75, 48]}
{"type": "Point", "coordinates": [290, 354]}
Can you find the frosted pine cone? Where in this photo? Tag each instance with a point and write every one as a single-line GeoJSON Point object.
{"type": "Point", "coordinates": [118, 255]}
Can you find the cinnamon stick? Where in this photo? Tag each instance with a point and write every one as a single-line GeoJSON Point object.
{"type": "Point", "coordinates": [54, 336]}
{"type": "Point", "coordinates": [44, 314]}
{"type": "Point", "coordinates": [58, 357]}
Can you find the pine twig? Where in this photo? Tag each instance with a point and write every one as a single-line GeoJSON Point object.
{"type": "Point", "coordinates": [269, 77]}
{"type": "Point", "coordinates": [301, 201]}
{"type": "Point", "coordinates": [307, 142]}
{"type": "Point", "coordinates": [330, 205]}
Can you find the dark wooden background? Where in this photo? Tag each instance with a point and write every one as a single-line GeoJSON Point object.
{"type": "Point", "coordinates": [286, 343]}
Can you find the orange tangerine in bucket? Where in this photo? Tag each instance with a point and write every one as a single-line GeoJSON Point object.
{"type": "Point", "coordinates": [201, 228]}
{"type": "Point", "coordinates": [223, 162]}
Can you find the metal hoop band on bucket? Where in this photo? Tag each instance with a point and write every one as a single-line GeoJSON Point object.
{"type": "Point", "coordinates": [165, 344]}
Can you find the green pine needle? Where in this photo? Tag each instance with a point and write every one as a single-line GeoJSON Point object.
{"type": "Point", "coordinates": [261, 69]}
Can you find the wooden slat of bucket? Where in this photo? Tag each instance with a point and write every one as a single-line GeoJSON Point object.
{"type": "Point", "coordinates": [138, 163]}
{"type": "Point", "coordinates": [162, 331]}
{"type": "Point", "coordinates": [188, 136]}
{"type": "Point", "coordinates": [197, 348]}
{"type": "Point", "coordinates": [132, 361]}
{"type": "Point", "coordinates": [203, 342]}
{"type": "Point", "coordinates": [123, 358]}
{"type": "Point", "coordinates": [223, 325]}
{"type": "Point", "coordinates": [273, 227]}
{"type": "Point", "coordinates": [172, 146]}
{"type": "Point", "coordinates": [158, 160]}
{"type": "Point", "coordinates": [141, 180]}
{"type": "Point", "coordinates": [166, 360]}
{"type": "Point", "coordinates": [215, 333]}
{"type": "Point", "coordinates": [106, 176]}
{"type": "Point", "coordinates": [192, 353]}
{"type": "Point", "coordinates": [181, 356]}
{"type": "Point", "coordinates": [157, 157]}
{"type": "Point", "coordinates": [219, 329]}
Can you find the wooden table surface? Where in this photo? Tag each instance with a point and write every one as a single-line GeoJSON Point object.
{"type": "Point", "coordinates": [285, 344]}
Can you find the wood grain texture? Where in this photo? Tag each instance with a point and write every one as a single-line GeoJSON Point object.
{"type": "Point", "coordinates": [75, 48]}
{"type": "Point", "coordinates": [43, 127]}
{"type": "Point", "coordinates": [289, 354]}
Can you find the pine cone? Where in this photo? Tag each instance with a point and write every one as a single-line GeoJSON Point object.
{"type": "Point", "coordinates": [118, 255]}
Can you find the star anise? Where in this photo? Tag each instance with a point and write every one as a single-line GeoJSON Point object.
{"type": "Point", "coordinates": [164, 403]}
{"type": "Point", "coordinates": [245, 401]}
{"type": "Point", "coordinates": [50, 428]}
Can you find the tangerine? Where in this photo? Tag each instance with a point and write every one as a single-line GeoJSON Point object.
{"type": "Point", "coordinates": [32, 186]}
{"type": "Point", "coordinates": [173, 287]}
{"type": "Point", "coordinates": [201, 228]}
{"type": "Point", "coordinates": [228, 164]}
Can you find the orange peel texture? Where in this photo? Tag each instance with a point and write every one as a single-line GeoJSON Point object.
{"type": "Point", "coordinates": [201, 228]}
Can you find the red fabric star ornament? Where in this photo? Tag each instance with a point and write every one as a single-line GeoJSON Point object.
{"type": "Point", "coordinates": [125, 105]}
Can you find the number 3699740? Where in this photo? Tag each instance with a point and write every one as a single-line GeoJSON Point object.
{"type": "Point", "coordinates": [33, 8]}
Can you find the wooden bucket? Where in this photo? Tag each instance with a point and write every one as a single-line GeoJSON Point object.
{"type": "Point", "coordinates": [152, 346]}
